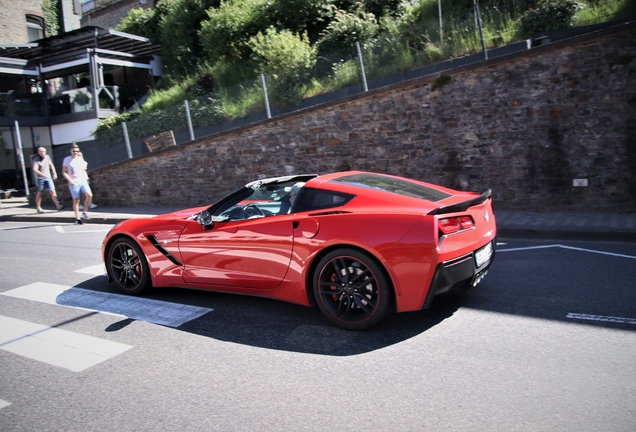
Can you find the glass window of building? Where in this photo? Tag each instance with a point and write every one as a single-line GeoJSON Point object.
{"type": "Point", "coordinates": [35, 28]}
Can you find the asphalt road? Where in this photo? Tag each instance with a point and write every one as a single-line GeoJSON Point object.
{"type": "Point", "coordinates": [546, 342]}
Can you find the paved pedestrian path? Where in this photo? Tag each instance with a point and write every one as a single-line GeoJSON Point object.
{"type": "Point", "coordinates": [610, 226]}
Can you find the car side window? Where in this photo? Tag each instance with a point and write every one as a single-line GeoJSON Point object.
{"type": "Point", "coordinates": [264, 201]}
{"type": "Point", "coordinates": [318, 199]}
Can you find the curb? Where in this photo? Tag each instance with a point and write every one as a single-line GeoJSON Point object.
{"type": "Point", "coordinates": [64, 220]}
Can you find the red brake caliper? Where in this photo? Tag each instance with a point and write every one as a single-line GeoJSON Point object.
{"type": "Point", "coordinates": [333, 278]}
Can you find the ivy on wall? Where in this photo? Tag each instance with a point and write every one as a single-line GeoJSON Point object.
{"type": "Point", "coordinates": [51, 9]}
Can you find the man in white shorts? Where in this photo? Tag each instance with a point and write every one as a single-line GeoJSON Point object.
{"type": "Point", "coordinates": [74, 170]}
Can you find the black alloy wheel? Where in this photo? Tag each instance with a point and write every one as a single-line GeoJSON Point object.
{"type": "Point", "coordinates": [127, 266]}
{"type": "Point", "coordinates": [351, 289]}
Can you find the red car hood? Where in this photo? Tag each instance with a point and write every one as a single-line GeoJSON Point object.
{"type": "Point", "coordinates": [181, 214]}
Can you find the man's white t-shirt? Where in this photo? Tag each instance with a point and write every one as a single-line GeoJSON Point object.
{"type": "Point", "coordinates": [76, 168]}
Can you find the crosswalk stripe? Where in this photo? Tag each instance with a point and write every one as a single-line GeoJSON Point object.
{"type": "Point", "coordinates": [138, 308]}
{"type": "Point", "coordinates": [96, 270]}
{"type": "Point", "coordinates": [69, 350]}
{"type": "Point", "coordinates": [4, 403]}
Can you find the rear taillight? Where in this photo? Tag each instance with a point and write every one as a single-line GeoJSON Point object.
{"type": "Point", "coordinates": [455, 224]}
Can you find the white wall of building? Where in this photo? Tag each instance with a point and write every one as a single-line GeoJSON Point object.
{"type": "Point", "coordinates": [71, 12]}
{"type": "Point", "coordinates": [73, 132]}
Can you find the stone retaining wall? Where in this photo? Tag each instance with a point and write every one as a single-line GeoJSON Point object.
{"type": "Point", "coordinates": [527, 126]}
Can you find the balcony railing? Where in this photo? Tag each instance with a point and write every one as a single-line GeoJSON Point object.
{"type": "Point", "coordinates": [14, 104]}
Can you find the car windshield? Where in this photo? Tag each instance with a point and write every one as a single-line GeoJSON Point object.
{"type": "Point", "coordinates": [393, 185]}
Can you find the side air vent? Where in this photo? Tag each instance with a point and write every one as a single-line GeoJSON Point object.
{"type": "Point", "coordinates": [163, 250]}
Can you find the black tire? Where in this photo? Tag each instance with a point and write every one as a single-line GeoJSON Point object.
{"type": "Point", "coordinates": [351, 289]}
{"type": "Point", "coordinates": [127, 265]}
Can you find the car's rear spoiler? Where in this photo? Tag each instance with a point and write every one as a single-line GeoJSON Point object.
{"type": "Point", "coordinates": [462, 206]}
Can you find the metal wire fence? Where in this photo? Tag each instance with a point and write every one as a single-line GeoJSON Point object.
{"type": "Point", "coordinates": [429, 47]}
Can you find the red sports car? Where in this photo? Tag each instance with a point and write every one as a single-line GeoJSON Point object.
{"type": "Point", "coordinates": [359, 245]}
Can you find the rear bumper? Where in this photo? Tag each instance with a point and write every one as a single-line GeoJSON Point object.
{"type": "Point", "coordinates": [457, 275]}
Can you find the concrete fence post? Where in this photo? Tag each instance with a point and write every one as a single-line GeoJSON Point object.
{"type": "Point", "coordinates": [126, 139]}
{"type": "Point", "coordinates": [364, 75]}
{"type": "Point", "coordinates": [269, 113]}
{"type": "Point", "coordinates": [189, 119]}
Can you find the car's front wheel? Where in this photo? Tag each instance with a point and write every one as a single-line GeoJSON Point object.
{"type": "Point", "coordinates": [351, 289]}
{"type": "Point", "coordinates": [127, 266]}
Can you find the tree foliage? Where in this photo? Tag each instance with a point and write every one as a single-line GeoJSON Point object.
{"type": "Point", "coordinates": [181, 47]}
{"type": "Point", "coordinates": [147, 22]}
{"type": "Point", "coordinates": [137, 22]}
{"type": "Point", "coordinates": [226, 29]}
{"type": "Point", "coordinates": [309, 17]}
{"type": "Point", "coordinates": [214, 34]}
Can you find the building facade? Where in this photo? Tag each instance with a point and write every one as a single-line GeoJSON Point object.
{"type": "Point", "coordinates": [21, 21]}
{"type": "Point", "coordinates": [54, 90]}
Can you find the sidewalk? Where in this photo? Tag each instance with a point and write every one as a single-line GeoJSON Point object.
{"type": "Point", "coordinates": [601, 226]}
{"type": "Point", "coordinates": [18, 210]}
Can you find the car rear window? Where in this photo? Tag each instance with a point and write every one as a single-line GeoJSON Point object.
{"type": "Point", "coordinates": [393, 185]}
{"type": "Point", "coordinates": [310, 199]}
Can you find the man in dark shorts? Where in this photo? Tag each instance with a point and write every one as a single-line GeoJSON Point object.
{"type": "Point", "coordinates": [43, 167]}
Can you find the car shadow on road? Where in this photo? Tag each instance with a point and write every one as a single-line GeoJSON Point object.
{"type": "Point", "coordinates": [281, 326]}
{"type": "Point", "coordinates": [272, 324]}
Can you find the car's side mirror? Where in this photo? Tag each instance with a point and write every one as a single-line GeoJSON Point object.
{"type": "Point", "coordinates": [205, 220]}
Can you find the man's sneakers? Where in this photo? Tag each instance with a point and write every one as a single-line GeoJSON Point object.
{"type": "Point", "coordinates": [79, 221]}
{"type": "Point", "coordinates": [60, 207]}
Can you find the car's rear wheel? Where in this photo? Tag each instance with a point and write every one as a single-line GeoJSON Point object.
{"type": "Point", "coordinates": [127, 266]}
{"type": "Point", "coordinates": [351, 289]}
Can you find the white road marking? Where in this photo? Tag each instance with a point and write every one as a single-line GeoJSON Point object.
{"type": "Point", "coordinates": [138, 308]}
{"type": "Point", "coordinates": [4, 403]}
{"type": "Point", "coordinates": [567, 247]}
{"type": "Point", "coordinates": [602, 318]}
{"type": "Point", "coordinates": [69, 350]}
{"type": "Point", "coordinates": [97, 270]}
{"type": "Point", "coordinates": [59, 229]}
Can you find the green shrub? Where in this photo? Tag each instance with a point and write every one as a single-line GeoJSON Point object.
{"type": "Point", "coordinates": [549, 15]}
{"type": "Point", "coordinates": [348, 28]}
{"type": "Point", "coordinates": [441, 81]}
{"type": "Point", "coordinates": [287, 58]}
